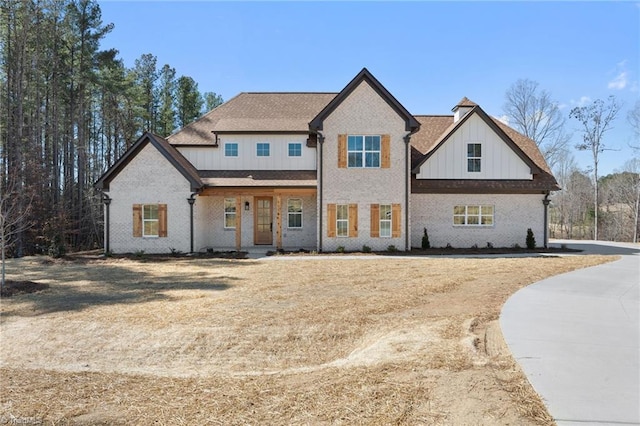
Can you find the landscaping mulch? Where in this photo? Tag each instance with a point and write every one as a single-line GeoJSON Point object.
{"type": "Point", "coordinates": [12, 288]}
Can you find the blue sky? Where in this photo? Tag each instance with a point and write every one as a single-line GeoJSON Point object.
{"type": "Point", "coordinates": [428, 54]}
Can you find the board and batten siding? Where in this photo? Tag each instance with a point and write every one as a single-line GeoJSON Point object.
{"type": "Point", "coordinates": [213, 158]}
{"type": "Point", "coordinates": [499, 161]}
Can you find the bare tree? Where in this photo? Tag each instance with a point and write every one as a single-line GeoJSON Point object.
{"type": "Point", "coordinates": [13, 219]}
{"type": "Point", "coordinates": [596, 119]}
{"type": "Point", "coordinates": [533, 113]}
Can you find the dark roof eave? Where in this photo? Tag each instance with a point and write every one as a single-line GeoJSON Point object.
{"type": "Point", "coordinates": [167, 150]}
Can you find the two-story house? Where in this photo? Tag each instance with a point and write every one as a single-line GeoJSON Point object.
{"type": "Point", "coordinates": [327, 170]}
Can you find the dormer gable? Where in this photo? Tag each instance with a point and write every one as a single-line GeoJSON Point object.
{"type": "Point", "coordinates": [411, 124]}
{"type": "Point", "coordinates": [476, 113]}
{"type": "Point", "coordinates": [462, 108]}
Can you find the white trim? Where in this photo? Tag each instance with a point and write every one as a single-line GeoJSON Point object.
{"type": "Point", "coordinates": [381, 220]}
{"type": "Point", "coordinates": [268, 144]}
{"type": "Point", "coordinates": [289, 149]}
{"type": "Point", "coordinates": [479, 216]}
{"type": "Point", "coordinates": [364, 152]}
{"type": "Point", "coordinates": [234, 213]}
{"type": "Point", "coordinates": [237, 150]}
{"type": "Point", "coordinates": [156, 220]}
{"type": "Point", "coordinates": [338, 220]}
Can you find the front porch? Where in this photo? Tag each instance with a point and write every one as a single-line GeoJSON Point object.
{"type": "Point", "coordinates": [261, 218]}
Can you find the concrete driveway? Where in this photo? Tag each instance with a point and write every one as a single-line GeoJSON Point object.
{"type": "Point", "coordinates": [577, 338]}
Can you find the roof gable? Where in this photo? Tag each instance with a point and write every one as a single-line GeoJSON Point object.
{"type": "Point", "coordinates": [170, 153]}
{"type": "Point", "coordinates": [494, 127]}
{"type": "Point", "coordinates": [411, 124]}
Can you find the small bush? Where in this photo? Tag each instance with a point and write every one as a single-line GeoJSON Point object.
{"type": "Point", "coordinates": [563, 246]}
{"type": "Point", "coordinates": [489, 245]}
{"type": "Point", "coordinates": [531, 241]}
{"type": "Point", "coordinates": [392, 249]}
{"type": "Point", "coordinates": [475, 246]}
{"type": "Point", "coordinates": [425, 240]}
{"type": "Point", "coordinates": [139, 253]}
{"type": "Point", "coordinates": [366, 249]}
{"type": "Point", "coordinates": [340, 249]}
{"type": "Point", "coordinates": [175, 252]}
{"type": "Point", "coordinates": [448, 246]}
{"type": "Point", "coordinates": [516, 246]}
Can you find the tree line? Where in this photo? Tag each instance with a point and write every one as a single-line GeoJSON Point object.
{"type": "Point", "coordinates": [589, 206]}
{"type": "Point", "coordinates": [68, 110]}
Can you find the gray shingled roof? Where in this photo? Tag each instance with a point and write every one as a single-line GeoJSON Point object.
{"type": "Point", "coordinates": [255, 112]}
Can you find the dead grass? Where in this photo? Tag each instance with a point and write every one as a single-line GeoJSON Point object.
{"type": "Point", "coordinates": [209, 341]}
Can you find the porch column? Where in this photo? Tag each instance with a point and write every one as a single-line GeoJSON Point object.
{"type": "Point", "coordinates": [238, 223]}
{"type": "Point", "coordinates": [278, 221]}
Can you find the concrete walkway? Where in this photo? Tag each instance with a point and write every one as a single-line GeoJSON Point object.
{"type": "Point", "coordinates": [577, 338]}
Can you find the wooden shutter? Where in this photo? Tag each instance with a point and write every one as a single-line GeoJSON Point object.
{"type": "Point", "coordinates": [331, 220]}
{"type": "Point", "coordinates": [375, 220]}
{"type": "Point", "coordinates": [353, 220]}
{"type": "Point", "coordinates": [396, 220]}
{"type": "Point", "coordinates": [385, 151]}
{"type": "Point", "coordinates": [137, 220]}
{"type": "Point", "coordinates": [342, 151]}
{"type": "Point", "coordinates": [162, 220]}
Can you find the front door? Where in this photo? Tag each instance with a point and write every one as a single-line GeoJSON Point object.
{"type": "Point", "coordinates": [263, 221]}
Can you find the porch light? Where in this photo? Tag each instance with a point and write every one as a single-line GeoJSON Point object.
{"type": "Point", "coordinates": [246, 205]}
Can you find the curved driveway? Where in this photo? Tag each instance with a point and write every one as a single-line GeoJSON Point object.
{"type": "Point", "coordinates": [576, 336]}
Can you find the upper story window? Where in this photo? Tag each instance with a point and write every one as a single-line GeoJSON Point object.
{"type": "Point", "coordinates": [474, 157]}
{"type": "Point", "coordinates": [150, 220]}
{"type": "Point", "coordinates": [363, 151]}
{"type": "Point", "coordinates": [295, 149]}
{"type": "Point", "coordinates": [294, 213]}
{"type": "Point", "coordinates": [231, 149]}
{"type": "Point", "coordinates": [263, 149]}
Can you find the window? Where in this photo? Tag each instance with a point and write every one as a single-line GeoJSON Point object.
{"type": "Point", "coordinates": [474, 157]}
{"type": "Point", "coordinates": [294, 212]}
{"type": "Point", "coordinates": [342, 220]}
{"type": "Point", "coordinates": [363, 151]}
{"type": "Point", "coordinates": [150, 220]}
{"type": "Point", "coordinates": [262, 149]}
{"type": "Point", "coordinates": [231, 149]}
{"type": "Point", "coordinates": [473, 215]}
{"type": "Point", "coordinates": [295, 150]}
{"type": "Point", "coordinates": [230, 213]}
{"type": "Point", "coordinates": [385, 220]}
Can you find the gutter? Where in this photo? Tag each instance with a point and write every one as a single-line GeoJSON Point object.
{"type": "Point", "coordinates": [546, 202]}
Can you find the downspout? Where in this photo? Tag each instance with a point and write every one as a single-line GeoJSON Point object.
{"type": "Point", "coordinates": [191, 201]}
{"type": "Point", "coordinates": [319, 213]}
{"type": "Point", "coordinates": [546, 202]}
{"type": "Point", "coordinates": [407, 187]}
{"type": "Point", "coordinates": [107, 231]}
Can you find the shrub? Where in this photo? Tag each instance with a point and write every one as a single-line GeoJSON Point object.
{"type": "Point", "coordinates": [516, 246]}
{"type": "Point", "coordinates": [175, 252]}
{"type": "Point", "coordinates": [425, 240]}
{"type": "Point", "coordinates": [531, 241]}
{"type": "Point", "coordinates": [489, 245]}
{"type": "Point", "coordinates": [449, 246]}
{"type": "Point", "coordinates": [366, 249]}
{"type": "Point", "coordinates": [475, 246]}
{"type": "Point", "coordinates": [139, 253]}
{"type": "Point", "coordinates": [392, 248]}
{"type": "Point", "coordinates": [340, 249]}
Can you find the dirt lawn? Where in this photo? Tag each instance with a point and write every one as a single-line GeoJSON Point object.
{"type": "Point", "coordinates": [310, 341]}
